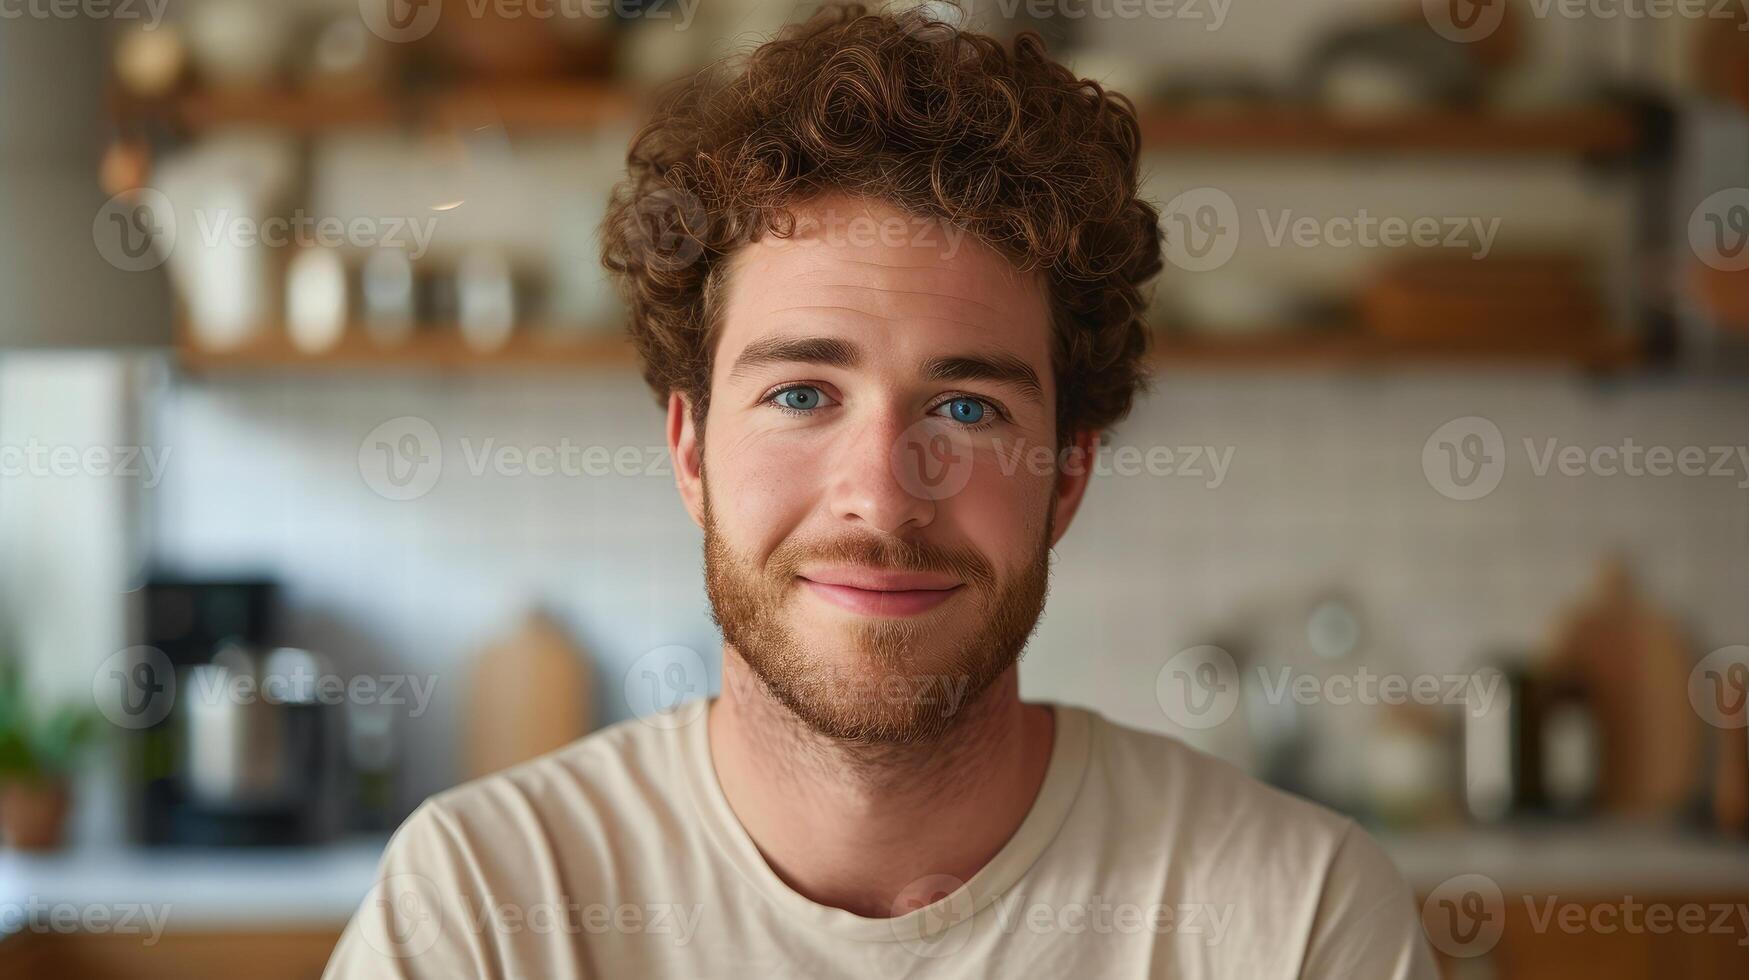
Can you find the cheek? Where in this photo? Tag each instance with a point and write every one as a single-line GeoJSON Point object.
{"type": "Point", "coordinates": [760, 490]}
{"type": "Point", "coordinates": [1001, 514]}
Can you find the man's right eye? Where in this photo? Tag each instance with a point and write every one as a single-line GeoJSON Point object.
{"type": "Point", "coordinates": [799, 398]}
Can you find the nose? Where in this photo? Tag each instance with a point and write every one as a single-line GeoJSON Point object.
{"type": "Point", "coordinates": [874, 480]}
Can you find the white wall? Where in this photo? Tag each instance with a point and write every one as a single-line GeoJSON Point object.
{"type": "Point", "coordinates": [1325, 491]}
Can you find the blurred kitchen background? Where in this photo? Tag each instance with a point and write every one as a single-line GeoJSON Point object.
{"type": "Point", "coordinates": [310, 382]}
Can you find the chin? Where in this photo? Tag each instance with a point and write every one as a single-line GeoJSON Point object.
{"type": "Point", "coordinates": [883, 681]}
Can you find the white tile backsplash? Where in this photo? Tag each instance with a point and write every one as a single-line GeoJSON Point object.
{"type": "Point", "coordinates": [1325, 491]}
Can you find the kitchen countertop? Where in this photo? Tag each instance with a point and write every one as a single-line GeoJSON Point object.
{"type": "Point", "coordinates": [1595, 859]}
{"type": "Point", "coordinates": [320, 887]}
{"type": "Point", "coordinates": [200, 889]}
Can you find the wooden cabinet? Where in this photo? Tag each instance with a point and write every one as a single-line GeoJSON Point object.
{"type": "Point", "coordinates": [1614, 937]}
{"type": "Point", "coordinates": [218, 955]}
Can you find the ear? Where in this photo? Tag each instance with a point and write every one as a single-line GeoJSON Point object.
{"type": "Point", "coordinates": [685, 451]}
{"type": "Point", "coordinates": [1072, 479]}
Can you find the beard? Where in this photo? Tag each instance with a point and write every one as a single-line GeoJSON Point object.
{"type": "Point", "coordinates": [907, 678]}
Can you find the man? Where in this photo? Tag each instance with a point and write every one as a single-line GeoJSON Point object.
{"type": "Point", "coordinates": [886, 278]}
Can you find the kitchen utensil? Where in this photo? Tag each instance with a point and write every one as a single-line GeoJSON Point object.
{"type": "Point", "coordinates": [1633, 659]}
{"type": "Point", "coordinates": [316, 299]}
{"type": "Point", "coordinates": [150, 61]}
{"type": "Point", "coordinates": [388, 297]}
{"type": "Point", "coordinates": [530, 693]}
{"type": "Point", "coordinates": [238, 44]}
{"type": "Point", "coordinates": [1494, 744]}
{"type": "Point", "coordinates": [344, 56]}
{"type": "Point", "coordinates": [485, 299]}
{"type": "Point", "coordinates": [221, 192]}
{"type": "Point", "coordinates": [1390, 67]}
{"type": "Point", "coordinates": [252, 728]}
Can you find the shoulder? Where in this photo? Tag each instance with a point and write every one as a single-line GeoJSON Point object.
{"type": "Point", "coordinates": [1152, 767]}
{"type": "Point", "coordinates": [1297, 873]}
{"type": "Point", "coordinates": [1202, 804]}
{"type": "Point", "coordinates": [612, 789]}
{"type": "Point", "coordinates": [631, 759]}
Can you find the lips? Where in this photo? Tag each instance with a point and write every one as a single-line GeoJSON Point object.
{"type": "Point", "coordinates": [877, 592]}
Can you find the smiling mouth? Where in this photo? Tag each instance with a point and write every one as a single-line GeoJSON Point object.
{"type": "Point", "coordinates": [872, 600]}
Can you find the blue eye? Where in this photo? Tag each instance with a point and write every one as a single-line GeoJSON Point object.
{"type": "Point", "coordinates": [801, 398]}
{"type": "Point", "coordinates": [967, 411]}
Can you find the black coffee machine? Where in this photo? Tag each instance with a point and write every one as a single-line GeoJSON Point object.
{"type": "Point", "coordinates": [224, 766]}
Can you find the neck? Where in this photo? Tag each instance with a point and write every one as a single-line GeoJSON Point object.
{"type": "Point", "coordinates": [873, 829]}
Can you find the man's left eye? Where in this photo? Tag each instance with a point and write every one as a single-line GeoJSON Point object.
{"type": "Point", "coordinates": [968, 411]}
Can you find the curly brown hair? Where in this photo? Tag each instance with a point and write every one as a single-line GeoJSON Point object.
{"type": "Point", "coordinates": [933, 120]}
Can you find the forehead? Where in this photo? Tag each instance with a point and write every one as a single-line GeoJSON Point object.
{"type": "Point", "coordinates": [892, 282]}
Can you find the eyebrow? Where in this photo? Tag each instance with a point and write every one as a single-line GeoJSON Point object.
{"type": "Point", "coordinates": [828, 351]}
{"type": "Point", "coordinates": [1000, 368]}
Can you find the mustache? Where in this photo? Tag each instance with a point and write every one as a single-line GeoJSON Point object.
{"type": "Point", "coordinates": [891, 554]}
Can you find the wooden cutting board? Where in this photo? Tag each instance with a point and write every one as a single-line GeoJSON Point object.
{"type": "Point", "coordinates": [529, 693]}
{"type": "Point", "coordinates": [1635, 662]}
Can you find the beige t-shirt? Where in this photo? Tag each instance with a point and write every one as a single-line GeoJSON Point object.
{"type": "Point", "coordinates": [618, 856]}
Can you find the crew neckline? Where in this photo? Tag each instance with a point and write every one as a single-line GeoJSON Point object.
{"type": "Point", "coordinates": [1061, 786]}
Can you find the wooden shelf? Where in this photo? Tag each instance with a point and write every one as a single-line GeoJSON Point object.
{"type": "Point", "coordinates": [1353, 349]}
{"type": "Point", "coordinates": [1599, 131]}
{"type": "Point", "coordinates": [524, 106]}
{"type": "Point", "coordinates": [430, 349]}
{"type": "Point", "coordinates": [537, 349]}
{"type": "Point", "coordinates": [577, 105]}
